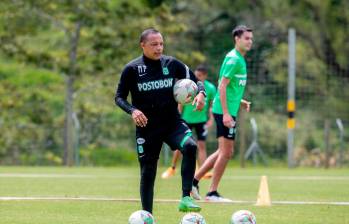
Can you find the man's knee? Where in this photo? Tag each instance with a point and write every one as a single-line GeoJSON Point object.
{"type": "Point", "coordinates": [201, 145]}
{"type": "Point", "coordinates": [226, 148]}
{"type": "Point", "coordinates": [189, 147]}
{"type": "Point", "coordinates": [148, 169]}
{"type": "Point", "coordinates": [226, 153]}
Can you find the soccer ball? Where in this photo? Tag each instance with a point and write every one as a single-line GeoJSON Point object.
{"type": "Point", "coordinates": [193, 218]}
{"type": "Point", "coordinates": [243, 217]}
{"type": "Point", "coordinates": [184, 91]}
{"type": "Point", "coordinates": [141, 217]}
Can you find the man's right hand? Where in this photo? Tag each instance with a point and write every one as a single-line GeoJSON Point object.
{"type": "Point", "coordinates": [228, 120]}
{"type": "Point", "coordinates": [139, 118]}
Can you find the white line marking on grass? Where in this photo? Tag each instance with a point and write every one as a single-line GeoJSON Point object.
{"type": "Point", "coordinates": [311, 202]}
{"type": "Point", "coordinates": [66, 199]}
{"type": "Point", "coordinates": [311, 177]}
{"type": "Point", "coordinates": [345, 203]}
{"type": "Point", "coordinates": [46, 175]}
{"type": "Point", "coordinates": [34, 175]}
{"type": "Point", "coordinates": [321, 178]}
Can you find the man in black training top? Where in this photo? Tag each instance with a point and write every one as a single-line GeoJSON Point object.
{"type": "Point", "coordinates": [150, 79]}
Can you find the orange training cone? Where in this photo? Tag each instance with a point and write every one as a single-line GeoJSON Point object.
{"type": "Point", "coordinates": [263, 197]}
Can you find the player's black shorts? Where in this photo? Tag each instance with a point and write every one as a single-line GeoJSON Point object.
{"type": "Point", "coordinates": [222, 130]}
{"type": "Point", "coordinates": [200, 129]}
{"type": "Point", "coordinates": [150, 139]}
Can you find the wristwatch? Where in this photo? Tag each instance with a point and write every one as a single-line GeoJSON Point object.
{"type": "Point", "coordinates": [203, 92]}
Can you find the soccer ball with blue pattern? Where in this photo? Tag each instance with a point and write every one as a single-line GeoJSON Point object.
{"type": "Point", "coordinates": [184, 91]}
{"type": "Point", "coordinates": [141, 217]}
{"type": "Point", "coordinates": [193, 218]}
{"type": "Point", "coordinates": [243, 217]}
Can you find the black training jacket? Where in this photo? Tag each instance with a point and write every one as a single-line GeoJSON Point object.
{"type": "Point", "coordinates": [151, 85]}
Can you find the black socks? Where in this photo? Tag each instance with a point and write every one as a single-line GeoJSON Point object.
{"type": "Point", "coordinates": [195, 182]}
{"type": "Point", "coordinates": [213, 193]}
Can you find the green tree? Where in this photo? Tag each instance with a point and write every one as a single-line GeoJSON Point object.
{"type": "Point", "coordinates": [87, 42]}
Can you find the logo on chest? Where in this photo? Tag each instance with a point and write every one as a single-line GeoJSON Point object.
{"type": "Point", "coordinates": [141, 70]}
{"type": "Point", "coordinates": [242, 82]}
{"type": "Point", "coordinates": [155, 85]}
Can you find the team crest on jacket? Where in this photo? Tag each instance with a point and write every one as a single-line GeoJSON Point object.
{"type": "Point", "coordinates": [140, 141]}
{"type": "Point", "coordinates": [165, 71]}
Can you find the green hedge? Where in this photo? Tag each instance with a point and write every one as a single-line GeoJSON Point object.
{"type": "Point", "coordinates": [108, 157]}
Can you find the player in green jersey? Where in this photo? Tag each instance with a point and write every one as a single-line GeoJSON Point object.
{"type": "Point", "coordinates": [226, 104]}
{"type": "Point", "coordinates": [198, 120]}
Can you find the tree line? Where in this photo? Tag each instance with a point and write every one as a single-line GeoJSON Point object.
{"type": "Point", "coordinates": [61, 60]}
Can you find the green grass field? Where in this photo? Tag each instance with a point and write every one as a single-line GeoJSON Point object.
{"type": "Point", "coordinates": [106, 187]}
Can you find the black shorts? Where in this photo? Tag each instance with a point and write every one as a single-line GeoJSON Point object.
{"type": "Point", "coordinates": [150, 139]}
{"type": "Point", "coordinates": [222, 130]}
{"type": "Point", "coordinates": [200, 129]}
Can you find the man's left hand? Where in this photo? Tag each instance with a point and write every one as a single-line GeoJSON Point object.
{"type": "Point", "coordinates": [246, 105]}
{"type": "Point", "coordinates": [199, 101]}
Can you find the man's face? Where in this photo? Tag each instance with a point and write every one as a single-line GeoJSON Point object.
{"type": "Point", "coordinates": [153, 46]}
{"type": "Point", "coordinates": [200, 75]}
{"type": "Point", "coordinates": [244, 42]}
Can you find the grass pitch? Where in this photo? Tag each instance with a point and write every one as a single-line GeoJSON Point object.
{"type": "Point", "coordinates": [58, 194]}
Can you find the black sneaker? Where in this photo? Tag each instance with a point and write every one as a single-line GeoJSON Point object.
{"type": "Point", "coordinates": [214, 196]}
